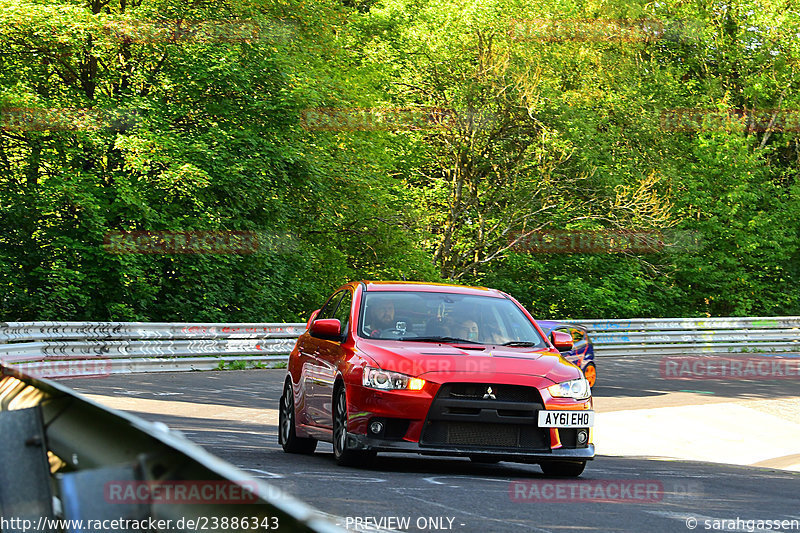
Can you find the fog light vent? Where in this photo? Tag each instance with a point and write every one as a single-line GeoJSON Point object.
{"type": "Point", "coordinates": [376, 427]}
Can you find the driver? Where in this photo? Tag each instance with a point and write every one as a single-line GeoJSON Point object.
{"type": "Point", "coordinates": [381, 317]}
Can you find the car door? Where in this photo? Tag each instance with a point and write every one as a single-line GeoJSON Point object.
{"type": "Point", "coordinates": [313, 373]}
{"type": "Point", "coordinates": [330, 356]}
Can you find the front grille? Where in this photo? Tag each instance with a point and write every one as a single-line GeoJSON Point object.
{"type": "Point", "coordinates": [513, 436]}
{"type": "Point", "coordinates": [482, 434]}
{"type": "Point", "coordinates": [467, 414]}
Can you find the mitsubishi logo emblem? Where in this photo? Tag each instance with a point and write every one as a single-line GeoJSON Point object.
{"type": "Point", "coordinates": [489, 395]}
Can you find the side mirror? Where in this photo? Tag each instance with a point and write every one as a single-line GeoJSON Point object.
{"type": "Point", "coordinates": [327, 328]}
{"type": "Point", "coordinates": [311, 319]}
{"type": "Point", "coordinates": [562, 341]}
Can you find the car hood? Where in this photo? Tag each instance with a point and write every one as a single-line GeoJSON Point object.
{"type": "Point", "coordinates": [447, 362]}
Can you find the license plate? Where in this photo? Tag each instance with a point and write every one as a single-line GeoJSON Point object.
{"type": "Point", "coordinates": [566, 419]}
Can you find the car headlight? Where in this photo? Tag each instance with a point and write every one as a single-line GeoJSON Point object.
{"type": "Point", "coordinates": [375, 378]}
{"type": "Point", "coordinates": [577, 389]}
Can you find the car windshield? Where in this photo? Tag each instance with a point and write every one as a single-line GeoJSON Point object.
{"type": "Point", "coordinates": [445, 317]}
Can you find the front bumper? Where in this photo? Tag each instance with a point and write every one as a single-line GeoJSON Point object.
{"type": "Point", "coordinates": [492, 420]}
{"type": "Point", "coordinates": [363, 442]}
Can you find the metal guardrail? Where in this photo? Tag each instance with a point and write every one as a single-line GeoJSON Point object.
{"type": "Point", "coordinates": [32, 331]}
{"type": "Point", "coordinates": [63, 349]}
{"type": "Point", "coordinates": [65, 457]}
{"type": "Point", "coordinates": [673, 336]}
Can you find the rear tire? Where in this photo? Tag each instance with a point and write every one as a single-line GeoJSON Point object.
{"type": "Point", "coordinates": [563, 468]}
{"type": "Point", "coordinates": [287, 433]}
{"type": "Point", "coordinates": [343, 455]}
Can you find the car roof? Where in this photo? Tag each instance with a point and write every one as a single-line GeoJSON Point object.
{"type": "Point", "coordinates": [408, 286]}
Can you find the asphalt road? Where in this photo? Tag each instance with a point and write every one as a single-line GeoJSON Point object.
{"type": "Point", "coordinates": [233, 414]}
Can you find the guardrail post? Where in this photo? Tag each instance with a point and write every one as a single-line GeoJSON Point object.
{"type": "Point", "coordinates": [84, 496]}
{"type": "Point", "coordinates": [25, 495]}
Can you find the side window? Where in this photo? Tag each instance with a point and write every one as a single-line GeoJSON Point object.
{"type": "Point", "coordinates": [343, 312]}
{"type": "Point", "coordinates": [329, 308]}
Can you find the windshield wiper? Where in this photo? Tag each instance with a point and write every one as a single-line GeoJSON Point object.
{"type": "Point", "coordinates": [450, 340]}
{"type": "Point", "coordinates": [520, 343]}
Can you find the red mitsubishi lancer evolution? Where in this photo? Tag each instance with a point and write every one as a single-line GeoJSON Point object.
{"type": "Point", "coordinates": [438, 370]}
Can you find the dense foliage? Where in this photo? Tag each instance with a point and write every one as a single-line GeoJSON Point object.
{"type": "Point", "coordinates": [416, 139]}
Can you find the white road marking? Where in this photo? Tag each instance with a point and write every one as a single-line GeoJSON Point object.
{"type": "Point", "coordinates": [340, 477]}
{"type": "Point", "coordinates": [270, 475]}
{"type": "Point", "coordinates": [433, 479]}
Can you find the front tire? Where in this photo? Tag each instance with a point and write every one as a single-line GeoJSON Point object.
{"type": "Point", "coordinates": [343, 455]}
{"type": "Point", "coordinates": [287, 433]}
{"type": "Point", "coordinates": [563, 468]}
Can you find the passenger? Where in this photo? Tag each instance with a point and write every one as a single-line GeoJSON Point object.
{"type": "Point", "coordinates": [466, 329]}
